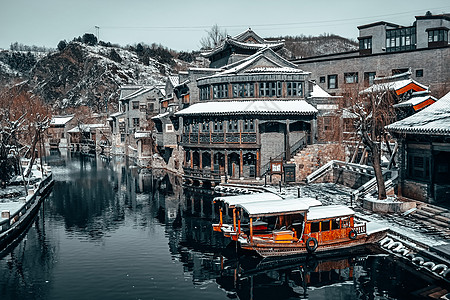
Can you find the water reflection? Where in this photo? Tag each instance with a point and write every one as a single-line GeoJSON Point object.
{"type": "Point", "coordinates": [112, 231]}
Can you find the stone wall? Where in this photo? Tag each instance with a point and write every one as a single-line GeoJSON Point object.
{"type": "Point", "coordinates": [314, 156]}
{"type": "Point", "coordinates": [415, 190]}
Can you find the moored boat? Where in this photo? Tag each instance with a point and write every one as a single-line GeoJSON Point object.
{"type": "Point", "coordinates": [293, 227]}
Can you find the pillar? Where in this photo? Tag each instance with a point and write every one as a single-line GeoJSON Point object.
{"type": "Point", "coordinates": [212, 160]}
{"type": "Point", "coordinates": [241, 164]}
{"type": "Point", "coordinates": [226, 163]}
{"type": "Point", "coordinates": [287, 146]}
{"type": "Point", "coordinates": [192, 158]}
{"type": "Point", "coordinates": [200, 159]}
{"type": "Point", "coordinates": [258, 163]}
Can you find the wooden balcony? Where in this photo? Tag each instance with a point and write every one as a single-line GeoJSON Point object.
{"type": "Point", "coordinates": [219, 138]}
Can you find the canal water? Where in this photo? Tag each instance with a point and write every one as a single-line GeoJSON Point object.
{"type": "Point", "coordinates": [112, 231]}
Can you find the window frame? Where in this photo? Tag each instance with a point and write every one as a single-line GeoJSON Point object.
{"type": "Point", "coordinates": [330, 85]}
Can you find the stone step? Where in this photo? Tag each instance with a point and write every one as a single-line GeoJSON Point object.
{"type": "Point", "coordinates": [442, 219]}
{"type": "Point", "coordinates": [424, 213]}
{"type": "Point", "coordinates": [433, 209]}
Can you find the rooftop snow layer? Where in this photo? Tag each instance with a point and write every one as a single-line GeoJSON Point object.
{"type": "Point", "coordinates": [258, 107]}
{"type": "Point", "coordinates": [60, 120]}
{"type": "Point", "coordinates": [329, 211]}
{"type": "Point", "coordinates": [234, 200]}
{"type": "Point", "coordinates": [392, 86]}
{"type": "Point", "coordinates": [435, 119]}
{"type": "Point", "coordinates": [267, 208]}
{"type": "Point", "coordinates": [414, 101]}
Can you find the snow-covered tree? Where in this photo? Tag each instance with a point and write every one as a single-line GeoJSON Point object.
{"type": "Point", "coordinates": [373, 110]}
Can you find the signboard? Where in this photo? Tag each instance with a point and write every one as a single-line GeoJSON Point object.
{"type": "Point", "coordinates": [276, 167]}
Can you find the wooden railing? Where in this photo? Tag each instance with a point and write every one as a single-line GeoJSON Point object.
{"type": "Point", "coordinates": [361, 228]}
{"type": "Point", "coordinates": [219, 138]}
{"type": "Point", "coordinates": [15, 217]}
{"type": "Point", "coordinates": [203, 174]}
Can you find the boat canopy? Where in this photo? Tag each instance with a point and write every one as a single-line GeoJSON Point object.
{"type": "Point", "coordinates": [329, 211]}
{"type": "Point", "coordinates": [275, 208]}
{"type": "Point", "coordinates": [232, 201]}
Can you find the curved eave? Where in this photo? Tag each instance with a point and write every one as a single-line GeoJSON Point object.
{"type": "Point", "coordinates": [246, 46]}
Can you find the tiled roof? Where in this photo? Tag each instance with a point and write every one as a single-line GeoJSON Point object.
{"type": "Point", "coordinates": [236, 43]}
{"type": "Point", "coordinates": [435, 119]}
{"type": "Point", "coordinates": [417, 98]}
{"type": "Point", "coordinates": [256, 107]}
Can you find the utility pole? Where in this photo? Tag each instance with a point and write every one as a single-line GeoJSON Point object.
{"type": "Point", "coordinates": [97, 32]}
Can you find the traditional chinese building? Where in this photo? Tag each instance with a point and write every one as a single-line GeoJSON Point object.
{"type": "Point", "coordinates": [57, 132]}
{"type": "Point", "coordinates": [424, 149]}
{"type": "Point", "coordinates": [250, 111]}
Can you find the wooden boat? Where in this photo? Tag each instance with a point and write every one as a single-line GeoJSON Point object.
{"type": "Point", "coordinates": [295, 227]}
{"type": "Point", "coordinates": [16, 217]}
{"type": "Point", "coordinates": [229, 202]}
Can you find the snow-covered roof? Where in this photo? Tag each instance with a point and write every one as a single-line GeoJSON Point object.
{"type": "Point", "coordinates": [258, 107]}
{"type": "Point", "coordinates": [395, 83]}
{"type": "Point", "coordinates": [139, 92]}
{"type": "Point", "coordinates": [268, 208]}
{"type": "Point", "coordinates": [115, 115]}
{"type": "Point", "coordinates": [85, 127]}
{"type": "Point", "coordinates": [238, 41]}
{"type": "Point", "coordinates": [318, 92]}
{"type": "Point", "coordinates": [328, 211]}
{"type": "Point", "coordinates": [417, 98]}
{"type": "Point", "coordinates": [234, 200]}
{"type": "Point", "coordinates": [174, 80]}
{"type": "Point", "coordinates": [435, 119]}
{"type": "Point", "coordinates": [60, 120]}
{"type": "Point", "coordinates": [274, 70]}
{"type": "Point", "coordinates": [159, 116]}
{"type": "Point", "coordinates": [140, 135]}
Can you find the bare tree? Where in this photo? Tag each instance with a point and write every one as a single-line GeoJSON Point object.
{"type": "Point", "coordinates": [373, 110]}
{"type": "Point", "coordinates": [24, 120]}
{"type": "Point", "coordinates": [213, 38]}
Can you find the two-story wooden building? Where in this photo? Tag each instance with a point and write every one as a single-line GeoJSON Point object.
{"type": "Point", "coordinates": [250, 111]}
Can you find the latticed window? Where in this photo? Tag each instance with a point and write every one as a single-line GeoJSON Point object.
{"type": "Point", "coordinates": [294, 89]}
{"type": "Point", "coordinates": [218, 126]}
{"type": "Point", "coordinates": [233, 126]}
{"type": "Point", "coordinates": [205, 127]}
{"type": "Point", "coordinates": [418, 166]}
{"type": "Point", "coordinates": [270, 89]}
{"type": "Point", "coordinates": [351, 77]}
{"type": "Point", "coordinates": [220, 91]}
{"type": "Point", "coordinates": [242, 90]}
{"type": "Point", "coordinates": [248, 126]}
{"type": "Point", "coordinates": [204, 92]}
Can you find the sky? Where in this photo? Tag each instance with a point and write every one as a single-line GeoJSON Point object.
{"type": "Point", "coordinates": [180, 25]}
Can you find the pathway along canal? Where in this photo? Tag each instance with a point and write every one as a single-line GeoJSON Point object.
{"type": "Point", "coordinates": [111, 231]}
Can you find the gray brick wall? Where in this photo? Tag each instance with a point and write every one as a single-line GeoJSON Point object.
{"type": "Point", "coordinates": [433, 62]}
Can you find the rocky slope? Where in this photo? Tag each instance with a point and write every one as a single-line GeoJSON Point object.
{"type": "Point", "coordinates": [78, 74]}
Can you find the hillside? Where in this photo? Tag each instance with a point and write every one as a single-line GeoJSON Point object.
{"type": "Point", "coordinates": [84, 72]}
{"type": "Point", "coordinates": [80, 74]}
{"type": "Point", "coordinates": [307, 46]}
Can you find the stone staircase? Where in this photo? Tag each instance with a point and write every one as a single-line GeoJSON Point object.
{"type": "Point", "coordinates": [434, 219]}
